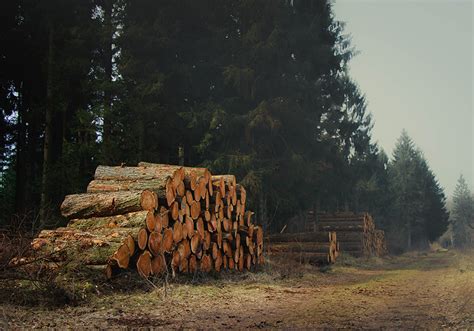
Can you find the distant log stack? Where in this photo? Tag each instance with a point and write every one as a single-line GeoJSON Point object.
{"type": "Point", "coordinates": [308, 247]}
{"type": "Point", "coordinates": [157, 218]}
{"type": "Point", "coordinates": [356, 233]}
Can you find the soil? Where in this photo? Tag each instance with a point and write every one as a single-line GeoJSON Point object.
{"type": "Point", "coordinates": [418, 290]}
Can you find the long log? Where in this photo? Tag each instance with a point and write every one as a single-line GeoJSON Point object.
{"type": "Point", "coordinates": [342, 224]}
{"type": "Point", "coordinates": [315, 247]}
{"type": "Point", "coordinates": [105, 204]}
{"type": "Point", "coordinates": [112, 185]}
{"type": "Point", "coordinates": [300, 237]}
{"type": "Point", "coordinates": [94, 248]}
{"type": "Point", "coordinates": [128, 220]}
{"type": "Point", "coordinates": [303, 257]}
{"type": "Point", "coordinates": [343, 228]}
{"type": "Point", "coordinates": [350, 236]}
{"type": "Point", "coordinates": [139, 173]}
{"type": "Point", "coordinates": [188, 174]}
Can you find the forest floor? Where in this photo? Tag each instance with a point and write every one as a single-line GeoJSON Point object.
{"type": "Point", "coordinates": [417, 290]}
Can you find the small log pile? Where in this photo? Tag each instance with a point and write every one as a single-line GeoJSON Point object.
{"type": "Point", "coordinates": [308, 247]}
{"type": "Point", "coordinates": [157, 218]}
{"type": "Point", "coordinates": [356, 233]}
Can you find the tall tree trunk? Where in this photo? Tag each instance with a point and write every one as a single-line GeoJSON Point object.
{"type": "Point", "coordinates": [108, 68]}
{"type": "Point", "coordinates": [48, 132]}
{"type": "Point", "coordinates": [21, 176]}
{"type": "Point", "coordinates": [141, 137]}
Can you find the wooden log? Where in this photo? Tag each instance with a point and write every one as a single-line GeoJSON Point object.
{"type": "Point", "coordinates": [174, 210]}
{"type": "Point", "coordinates": [196, 243]}
{"type": "Point", "coordinates": [159, 180]}
{"type": "Point", "coordinates": [206, 244]}
{"type": "Point", "coordinates": [206, 263]}
{"type": "Point", "coordinates": [351, 236]}
{"type": "Point", "coordinates": [151, 221]}
{"type": "Point", "coordinates": [230, 263]}
{"type": "Point", "coordinates": [214, 250]}
{"type": "Point", "coordinates": [241, 259]}
{"type": "Point", "coordinates": [304, 257]}
{"type": "Point", "coordinates": [122, 256]}
{"type": "Point", "coordinates": [106, 204]}
{"type": "Point", "coordinates": [203, 184]}
{"type": "Point", "coordinates": [189, 196]}
{"type": "Point", "coordinates": [128, 220]}
{"type": "Point", "coordinates": [182, 249]}
{"type": "Point", "coordinates": [227, 249]}
{"type": "Point", "coordinates": [158, 265]}
{"type": "Point", "coordinates": [165, 219]}
{"type": "Point", "coordinates": [181, 189]}
{"type": "Point", "coordinates": [315, 247]}
{"type": "Point", "coordinates": [189, 224]}
{"type": "Point", "coordinates": [167, 242]}
{"type": "Point", "coordinates": [154, 243]}
{"type": "Point", "coordinates": [361, 224]}
{"type": "Point", "coordinates": [301, 237]}
{"type": "Point", "coordinates": [184, 265]}
{"type": "Point", "coordinates": [229, 180]}
{"type": "Point", "coordinates": [142, 238]}
{"type": "Point", "coordinates": [118, 173]}
{"type": "Point", "coordinates": [96, 248]}
{"type": "Point", "coordinates": [226, 225]}
{"type": "Point", "coordinates": [218, 262]}
{"type": "Point", "coordinates": [195, 209]}
{"type": "Point", "coordinates": [113, 185]}
{"type": "Point", "coordinates": [175, 262]}
{"type": "Point", "coordinates": [144, 264]}
{"type": "Point", "coordinates": [189, 174]}
{"type": "Point", "coordinates": [200, 227]}
{"type": "Point", "coordinates": [218, 185]}
{"type": "Point", "coordinates": [177, 232]}
{"type": "Point", "coordinates": [130, 242]}
{"type": "Point", "coordinates": [343, 228]}
{"type": "Point", "coordinates": [193, 265]}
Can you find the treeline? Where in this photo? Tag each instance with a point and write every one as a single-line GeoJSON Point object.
{"type": "Point", "coordinates": [257, 88]}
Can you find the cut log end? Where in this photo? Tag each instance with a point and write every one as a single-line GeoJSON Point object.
{"type": "Point", "coordinates": [144, 264]}
{"type": "Point", "coordinates": [149, 200]}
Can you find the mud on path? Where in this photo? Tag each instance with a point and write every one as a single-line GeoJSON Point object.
{"type": "Point", "coordinates": [434, 290]}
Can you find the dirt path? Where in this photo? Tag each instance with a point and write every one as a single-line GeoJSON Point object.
{"type": "Point", "coordinates": [429, 291]}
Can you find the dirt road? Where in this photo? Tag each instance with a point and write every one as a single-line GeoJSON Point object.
{"type": "Point", "coordinates": [434, 290]}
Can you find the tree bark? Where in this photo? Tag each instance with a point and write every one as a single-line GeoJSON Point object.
{"type": "Point", "coordinates": [48, 133]}
{"type": "Point", "coordinates": [101, 204]}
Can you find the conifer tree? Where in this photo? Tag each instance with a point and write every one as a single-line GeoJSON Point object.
{"type": "Point", "coordinates": [462, 214]}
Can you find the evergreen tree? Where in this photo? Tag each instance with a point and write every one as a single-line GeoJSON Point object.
{"type": "Point", "coordinates": [462, 220]}
{"type": "Point", "coordinates": [418, 212]}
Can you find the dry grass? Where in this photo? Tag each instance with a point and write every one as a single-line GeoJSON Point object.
{"type": "Point", "coordinates": [396, 292]}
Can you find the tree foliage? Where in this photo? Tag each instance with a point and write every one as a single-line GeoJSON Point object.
{"type": "Point", "coordinates": [462, 219]}
{"type": "Point", "coordinates": [418, 209]}
{"type": "Point", "coordinates": [258, 88]}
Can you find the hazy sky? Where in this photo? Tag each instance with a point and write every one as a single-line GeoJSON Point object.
{"type": "Point", "coordinates": [416, 68]}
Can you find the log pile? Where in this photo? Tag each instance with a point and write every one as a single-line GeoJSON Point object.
{"type": "Point", "coordinates": [356, 233]}
{"type": "Point", "coordinates": [308, 247]}
{"type": "Point", "coordinates": [157, 218]}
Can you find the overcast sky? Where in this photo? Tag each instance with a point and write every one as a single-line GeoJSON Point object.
{"type": "Point", "coordinates": [416, 68]}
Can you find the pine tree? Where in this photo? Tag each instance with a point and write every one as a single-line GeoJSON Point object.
{"type": "Point", "coordinates": [462, 220]}
{"type": "Point", "coordinates": [418, 212]}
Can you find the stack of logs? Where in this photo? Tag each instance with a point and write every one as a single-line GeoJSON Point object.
{"type": "Point", "coordinates": [356, 233]}
{"type": "Point", "coordinates": [158, 218]}
{"type": "Point", "coordinates": [308, 247]}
